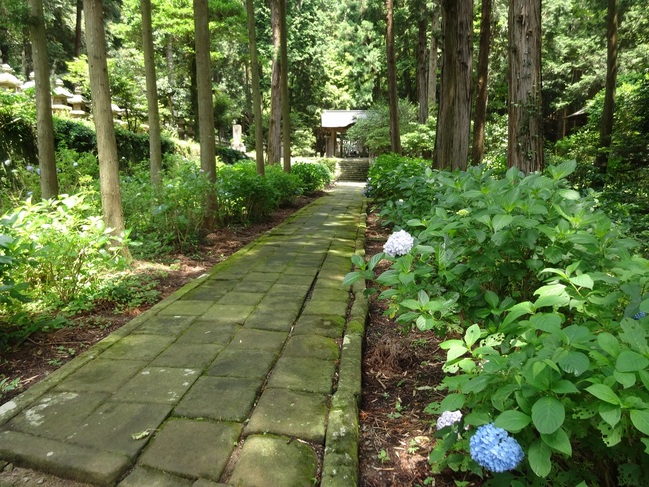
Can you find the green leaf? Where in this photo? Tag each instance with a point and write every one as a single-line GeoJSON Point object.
{"type": "Point", "coordinates": [610, 413]}
{"type": "Point", "coordinates": [552, 300]}
{"type": "Point", "coordinates": [558, 441]}
{"type": "Point", "coordinates": [452, 402]}
{"type": "Point", "coordinates": [574, 363]}
{"type": "Point", "coordinates": [491, 298]}
{"type": "Point", "coordinates": [456, 352]}
{"type": "Point", "coordinates": [634, 335]}
{"type": "Point", "coordinates": [627, 379]}
{"type": "Point", "coordinates": [411, 304]}
{"type": "Point", "coordinates": [516, 312]}
{"type": "Point", "coordinates": [569, 194]}
{"type": "Point", "coordinates": [415, 223]}
{"type": "Point", "coordinates": [609, 344]}
{"type": "Point", "coordinates": [375, 259]}
{"type": "Point", "coordinates": [629, 361]}
{"type": "Point", "coordinates": [640, 419]}
{"type": "Point", "coordinates": [423, 297]}
{"type": "Point", "coordinates": [539, 458]}
{"type": "Point", "coordinates": [472, 335]}
{"type": "Point", "coordinates": [358, 261]}
{"type": "Point", "coordinates": [604, 393]}
{"type": "Point", "coordinates": [563, 170]}
{"type": "Point", "coordinates": [351, 278]}
{"type": "Point", "coordinates": [501, 221]}
{"type": "Point", "coordinates": [583, 280]}
{"type": "Point", "coordinates": [512, 421]}
{"type": "Point", "coordinates": [548, 414]}
{"type": "Point", "coordinates": [564, 387]}
{"type": "Point", "coordinates": [644, 306]}
{"type": "Point", "coordinates": [547, 322]}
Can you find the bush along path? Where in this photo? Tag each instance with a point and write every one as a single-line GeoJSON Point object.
{"type": "Point", "coordinates": [250, 375]}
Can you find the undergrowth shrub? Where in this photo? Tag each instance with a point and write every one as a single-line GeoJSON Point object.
{"type": "Point", "coordinates": [550, 305]}
{"type": "Point", "coordinates": [287, 186]}
{"type": "Point", "coordinates": [313, 176]}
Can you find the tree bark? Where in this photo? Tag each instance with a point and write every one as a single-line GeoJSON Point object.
{"type": "Point", "coordinates": [454, 121]}
{"type": "Point", "coordinates": [155, 144]}
{"type": "Point", "coordinates": [432, 59]}
{"type": "Point", "coordinates": [275, 116]}
{"type": "Point", "coordinates": [393, 100]}
{"type": "Point", "coordinates": [606, 127]}
{"type": "Point", "coordinates": [111, 201]}
{"type": "Point", "coordinates": [422, 94]}
{"type": "Point", "coordinates": [525, 137]}
{"type": "Point", "coordinates": [44, 124]}
{"type": "Point", "coordinates": [77, 29]}
{"type": "Point", "coordinates": [482, 93]}
{"type": "Point", "coordinates": [286, 109]}
{"type": "Point", "coordinates": [205, 103]}
{"type": "Point", "coordinates": [256, 91]}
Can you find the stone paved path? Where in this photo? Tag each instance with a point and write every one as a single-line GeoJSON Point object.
{"type": "Point", "coordinates": [249, 376]}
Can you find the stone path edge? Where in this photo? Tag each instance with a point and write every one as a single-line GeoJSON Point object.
{"type": "Point", "coordinates": [340, 466]}
{"type": "Point", "coordinates": [13, 407]}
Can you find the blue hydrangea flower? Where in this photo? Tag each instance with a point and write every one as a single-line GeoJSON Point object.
{"type": "Point", "coordinates": [639, 315]}
{"type": "Point", "coordinates": [448, 418]}
{"type": "Point", "coordinates": [493, 449]}
{"type": "Point", "coordinates": [399, 243]}
{"type": "Point", "coordinates": [29, 168]}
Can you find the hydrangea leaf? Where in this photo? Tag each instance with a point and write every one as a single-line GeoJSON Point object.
{"type": "Point", "coordinates": [472, 334]}
{"type": "Point", "coordinates": [548, 414]}
{"type": "Point", "coordinates": [512, 421]}
{"type": "Point", "coordinates": [539, 457]}
{"type": "Point", "coordinates": [604, 393]}
{"type": "Point", "coordinates": [452, 402]}
{"type": "Point", "coordinates": [558, 441]}
{"type": "Point", "coordinates": [574, 363]}
{"type": "Point", "coordinates": [610, 413]}
{"type": "Point", "coordinates": [640, 419]}
{"type": "Point", "coordinates": [629, 361]}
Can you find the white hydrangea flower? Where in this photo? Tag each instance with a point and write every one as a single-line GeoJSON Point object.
{"type": "Point", "coordinates": [448, 418]}
{"type": "Point", "coordinates": [399, 243]}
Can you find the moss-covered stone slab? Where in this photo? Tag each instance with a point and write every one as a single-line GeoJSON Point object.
{"type": "Point", "coordinates": [188, 355]}
{"type": "Point", "coordinates": [247, 298]}
{"type": "Point", "coordinates": [259, 287]}
{"type": "Point", "coordinates": [192, 448]}
{"type": "Point", "coordinates": [321, 293]}
{"type": "Point", "coordinates": [57, 414]}
{"type": "Point", "coordinates": [120, 427]}
{"type": "Point", "coordinates": [148, 477]}
{"type": "Point", "coordinates": [275, 461]}
{"type": "Point", "coordinates": [186, 307]}
{"type": "Point", "coordinates": [328, 326]}
{"type": "Point", "coordinates": [268, 318]}
{"type": "Point", "coordinates": [250, 339]}
{"type": "Point", "coordinates": [165, 325]}
{"type": "Point", "coordinates": [208, 483]}
{"type": "Point", "coordinates": [209, 332]}
{"type": "Point", "coordinates": [233, 314]}
{"type": "Point", "coordinates": [337, 307]}
{"type": "Point", "coordinates": [101, 376]}
{"type": "Point", "coordinates": [161, 385]}
{"type": "Point", "coordinates": [220, 398]}
{"type": "Point", "coordinates": [65, 460]}
{"type": "Point", "coordinates": [254, 277]}
{"type": "Point", "coordinates": [138, 347]}
{"type": "Point", "coordinates": [290, 413]}
{"type": "Point", "coordinates": [312, 346]}
{"type": "Point", "coordinates": [295, 279]}
{"type": "Point", "coordinates": [253, 364]}
{"type": "Point", "coordinates": [303, 374]}
{"type": "Point", "coordinates": [209, 291]}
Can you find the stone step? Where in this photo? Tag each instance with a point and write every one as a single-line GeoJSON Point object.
{"type": "Point", "coordinates": [353, 169]}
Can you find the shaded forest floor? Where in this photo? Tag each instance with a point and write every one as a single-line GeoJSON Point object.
{"type": "Point", "coordinates": [400, 370]}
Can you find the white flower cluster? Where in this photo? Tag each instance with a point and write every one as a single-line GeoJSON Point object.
{"type": "Point", "coordinates": [399, 243]}
{"type": "Point", "coordinates": [448, 418]}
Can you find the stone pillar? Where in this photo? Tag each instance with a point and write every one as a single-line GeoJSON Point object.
{"type": "Point", "coordinates": [331, 143]}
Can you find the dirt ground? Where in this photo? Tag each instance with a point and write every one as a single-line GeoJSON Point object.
{"type": "Point", "coordinates": [400, 369]}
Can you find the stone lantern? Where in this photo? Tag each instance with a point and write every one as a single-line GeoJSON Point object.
{"type": "Point", "coordinates": [79, 104]}
{"type": "Point", "coordinates": [29, 84]}
{"type": "Point", "coordinates": [7, 79]}
{"type": "Point", "coordinates": [60, 96]}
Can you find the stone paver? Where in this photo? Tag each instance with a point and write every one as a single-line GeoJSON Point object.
{"type": "Point", "coordinates": [238, 379]}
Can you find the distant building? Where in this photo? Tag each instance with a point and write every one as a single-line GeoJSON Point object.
{"type": "Point", "coordinates": [335, 123]}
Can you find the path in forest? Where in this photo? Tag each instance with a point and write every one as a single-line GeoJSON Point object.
{"type": "Point", "coordinates": [248, 376]}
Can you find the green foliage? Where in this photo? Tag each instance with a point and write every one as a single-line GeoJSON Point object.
{"type": "Point", "coordinates": [7, 385]}
{"type": "Point", "coordinates": [549, 300]}
{"type": "Point", "coordinates": [373, 131]}
{"type": "Point", "coordinates": [242, 195]}
{"type": "Point", "coordinates": [17, 128]}
{"type": "Point", "coordinates": [313, 176]}
{"type": "Point", "coordinates": [287, 186]}
{"type": "Point", "coordinates": [169, 217]}
{"type": "Point", "coordinates": [230, 156]}
{"type": "Point", "coordinates": [302, 143]}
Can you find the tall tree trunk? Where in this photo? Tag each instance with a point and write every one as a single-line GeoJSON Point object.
{"type": "Point", "coordinates": [286, 110]}
{"type": "Point", "coordinates": [422, 41]}
{"type": "Point", "coordinates": [482, 94]}
{"type": "Point", "coordinates": [155, 144]}
{"type": "Point", "coordinates": [454, 122]}
{"type": "Point", "coordinates": [171, 77]}
{"type": "Point", "coordinates": [44, 124]}
{"type": "Point", "coordinates": [606, 127]}
{"type": "Point", "coordinates": [111, 200]}
{"type": "Point", "coordinates": [432, 59]}
{"type": "Point", "coordinates": [275, 117]}
{"type": "Point", "coordinates": [256, 92]}
{"type": "Point", "coordinates": [205, 102]}
{"type": "Point", "coordinates": [525, 137]}
{"type": "Point", "coordinates": [393, 100]}
{"type": "Point", "coordinates": [77, 29]}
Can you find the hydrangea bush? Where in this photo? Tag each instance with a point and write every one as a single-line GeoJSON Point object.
{"type": "Point", "coordinates": [543, 290]}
